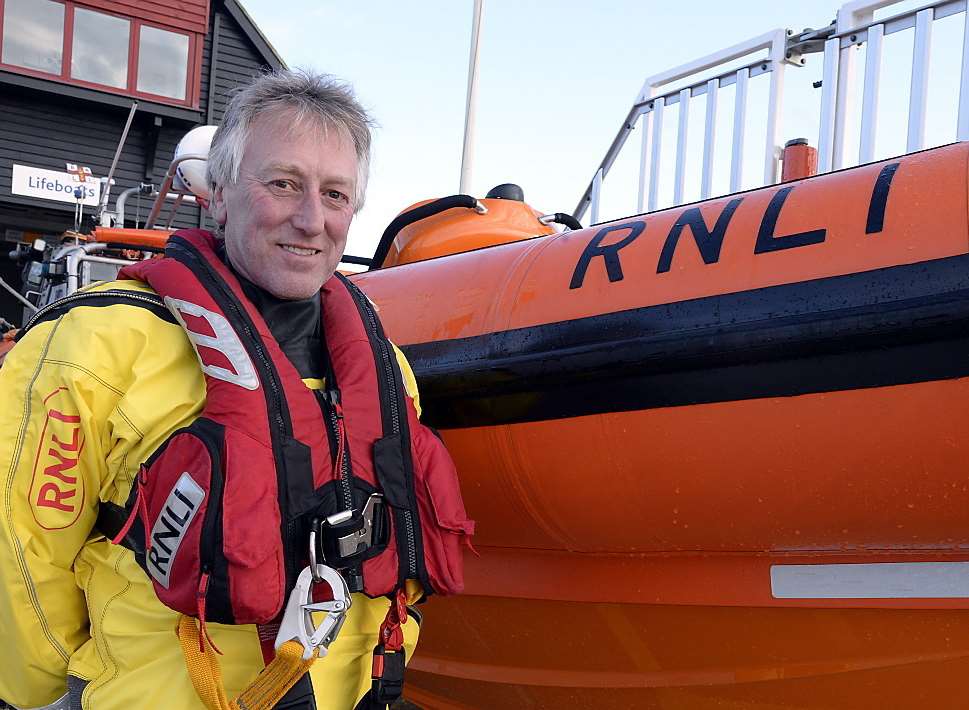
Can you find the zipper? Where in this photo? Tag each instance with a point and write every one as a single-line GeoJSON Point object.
{"type": "Point", "coordinates": [213, 512]}
{"type": "Point", "coordinates": [393, 395]}
{"type": "Point", "coordinates": [86, 295]}
{"type": "Point", "coordinates": [331, 402]}
{"type": "Point", "coordinates": [332, 419]}
{"type": "Point", "coordinates": [344, 463]}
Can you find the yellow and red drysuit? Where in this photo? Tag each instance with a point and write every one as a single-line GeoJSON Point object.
{"type": "Point", "coordinates": [85, 399]}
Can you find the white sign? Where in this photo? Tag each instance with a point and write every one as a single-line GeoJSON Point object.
{"type": "Point", "coordinates": [53, 185]}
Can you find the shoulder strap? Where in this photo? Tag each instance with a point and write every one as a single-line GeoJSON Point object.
{"type": "Point", "coordinates": [393, 463]}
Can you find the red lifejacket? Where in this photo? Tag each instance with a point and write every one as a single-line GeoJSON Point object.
{"type": "Point", "coordinates": [219, 515]}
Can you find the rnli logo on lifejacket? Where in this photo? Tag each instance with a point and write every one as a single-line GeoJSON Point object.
{"type": "Point", "coordinates": [169, 530]}
{"type": "Point", "coordinates": [56, 488]}
{"type": "Point", "coordinates": [219, 350]}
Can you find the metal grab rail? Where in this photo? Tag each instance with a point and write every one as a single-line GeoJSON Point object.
{"type": "Point", "coordinates": [650, 104]}
{"type": "Point", "coordinates": [853, 27]}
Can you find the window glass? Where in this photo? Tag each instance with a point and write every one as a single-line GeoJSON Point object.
{"type": "Point", "coordinates": [99, 53]}
{"type": "Point", "coordinates": [33, 34]}
{"type": "Point", "coordinates": [162, 62]}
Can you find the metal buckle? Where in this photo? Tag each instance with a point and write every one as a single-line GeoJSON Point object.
{"type": "Point", "coordinates": [352, 543]}
{"type": "Point", "coordinates": [360, 540]}
{"type": "Point", "coordinates": [297, 623]}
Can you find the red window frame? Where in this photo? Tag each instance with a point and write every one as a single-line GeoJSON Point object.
{"type": "Point", "coordinates": [193, 69]}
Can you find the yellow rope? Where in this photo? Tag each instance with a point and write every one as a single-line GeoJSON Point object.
{"type": "Point", "coordinates": [261, 694]}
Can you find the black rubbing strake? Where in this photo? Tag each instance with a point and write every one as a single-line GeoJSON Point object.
{"type": "Point", "coordinates": [883, 327]}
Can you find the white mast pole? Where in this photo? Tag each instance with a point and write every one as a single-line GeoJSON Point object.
{"type": "Point", "coordinates": [466, 155]}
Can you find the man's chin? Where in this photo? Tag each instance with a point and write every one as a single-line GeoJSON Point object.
{"type": "Point", "coordinates": [296, 290]}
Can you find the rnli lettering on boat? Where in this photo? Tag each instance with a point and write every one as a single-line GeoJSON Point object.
{"type": "Point", "coordinates": [710, 239]}
{"type": "Point", "coordinates": [57, 490]}
{"type": "Point", "coordinates": [169, 530]}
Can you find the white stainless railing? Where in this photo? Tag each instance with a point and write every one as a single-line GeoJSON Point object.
{"type": "Point", "coordinates": [854, 27]}
{"type": "Point", "coordinates": [651, 102]}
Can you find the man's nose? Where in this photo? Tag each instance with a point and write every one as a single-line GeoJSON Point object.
{"type": "Point", "coordinates": [309, 216]}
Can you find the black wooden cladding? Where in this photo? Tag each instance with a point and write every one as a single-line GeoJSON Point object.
{"type": "Point", "coordinates": [43, 129]}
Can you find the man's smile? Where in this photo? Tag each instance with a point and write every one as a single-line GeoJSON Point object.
{"type": "Point", "coordinates": [301, 251]}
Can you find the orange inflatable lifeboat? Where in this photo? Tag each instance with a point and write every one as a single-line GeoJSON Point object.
{"type": "Point", "coordinates": [716, 453]}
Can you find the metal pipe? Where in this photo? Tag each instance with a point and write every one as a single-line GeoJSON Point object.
{"type": "Point", "coordinates": [469, 111]}
{"type": "Point", "coordinates": [114, 162]}
{"type": "Point", "coordinates": [773, 150]}
{"type": "Point", "coordinates": [962, 128]}
{"type": "Point", "coordinates": [709, 139]}
{"type": "Point", "coordinates": [739, 130]}
{"type": "Point", "coordinates": [166, 187]}
{"type": "Point", "coordinates": [105, 260]}
{"type": "Point", "coordinates": [16, 294]}
{"type": "Point", "coordinates": [921, 52]}
{"type": "Point", "coordinates": [596, 190]}
{"type": "Point", "coordinates": [869, 101]}
{"type": "Point", "coordinates": [682, 134]}
{"type": "Point", "coordinates": [829, 101]}
{"type": "Point", "coordinates": [646, 121]}
{"type": "Point", "coordinates": [655, 151]}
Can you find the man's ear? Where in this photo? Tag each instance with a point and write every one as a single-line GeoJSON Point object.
{"type": "Point", "coordinates": [219, 212]}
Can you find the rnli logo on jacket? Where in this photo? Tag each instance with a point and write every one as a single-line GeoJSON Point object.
{"type": "Point", "coordinates": [169, 530]}
{"type": "Point", "coordinates": [56, 487]}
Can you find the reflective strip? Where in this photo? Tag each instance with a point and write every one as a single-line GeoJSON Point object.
{"type": "Point", "coordinates": [170, 527]}
{"type": "Point", "coordinates": [62, 703]}
{"type": "Point", "coordinates": [887, 580]}
{"type": "Point", "coordinates": [225, 341]}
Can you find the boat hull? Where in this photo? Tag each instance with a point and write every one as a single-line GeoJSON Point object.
{"type": "Point", "coordinates": [716, 454]}
{"type": "Point", "coordinates": [514, 653]}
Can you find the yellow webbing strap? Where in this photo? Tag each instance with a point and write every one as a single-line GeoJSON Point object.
{"type": "Point", "coordinates": [261, 694]}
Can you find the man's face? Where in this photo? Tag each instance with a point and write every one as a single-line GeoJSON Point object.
{"type": "Point", "coordinates": [286, 218]}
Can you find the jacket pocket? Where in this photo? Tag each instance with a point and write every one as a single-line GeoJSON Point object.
{"type": "Point", "coordinates": [178, 501]}
{"type": "Point", "coordinates": [212, 525]}
{"type": "Point", "coordinates": [251, 530]}
{"type": "Point", "coordinates": [445, 526]}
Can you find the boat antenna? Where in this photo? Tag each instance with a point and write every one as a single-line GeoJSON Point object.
{"type": "Point", "coordinates": [106, 182]}
{"type": "Point", "coordinates": [469, 111]}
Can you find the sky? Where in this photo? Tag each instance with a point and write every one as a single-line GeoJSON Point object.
{"type": "Point", "coordinates": [556, 79]}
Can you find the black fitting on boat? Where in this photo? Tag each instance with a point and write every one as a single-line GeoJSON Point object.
{"type": "Point", "coordinates": [416, 215]}
{"type": "Point", "coordinates": [564, 219]}
{"type": "Point", "coordinates": [506, 191]}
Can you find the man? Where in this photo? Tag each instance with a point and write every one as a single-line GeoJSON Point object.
{"type": "Point", "coordinates": [89, 394]}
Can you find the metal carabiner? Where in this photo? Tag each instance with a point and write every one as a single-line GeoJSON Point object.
{"type": "Point", "coordinates": [297, 623]}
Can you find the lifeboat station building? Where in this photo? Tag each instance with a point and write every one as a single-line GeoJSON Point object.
{"type": "Point", "coordinates": [70, 71]}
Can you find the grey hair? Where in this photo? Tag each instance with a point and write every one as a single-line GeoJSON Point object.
{"type": "Point", "coordinates": [318, 97]}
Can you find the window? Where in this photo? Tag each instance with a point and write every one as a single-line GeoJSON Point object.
{"type": "Point", "coordinates": [33, 34]}
{"type": "Point", "coordinates": [162, 62]}
{"type": "Point", "coordinates": [65, 41]}
{"type": "Point", "coordinates": [99, 52]}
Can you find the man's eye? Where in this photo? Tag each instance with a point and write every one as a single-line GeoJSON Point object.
{"type": "Point", "coordinates": [337, 195]}
{"type": "Point", "coordinates": [282, 185]}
